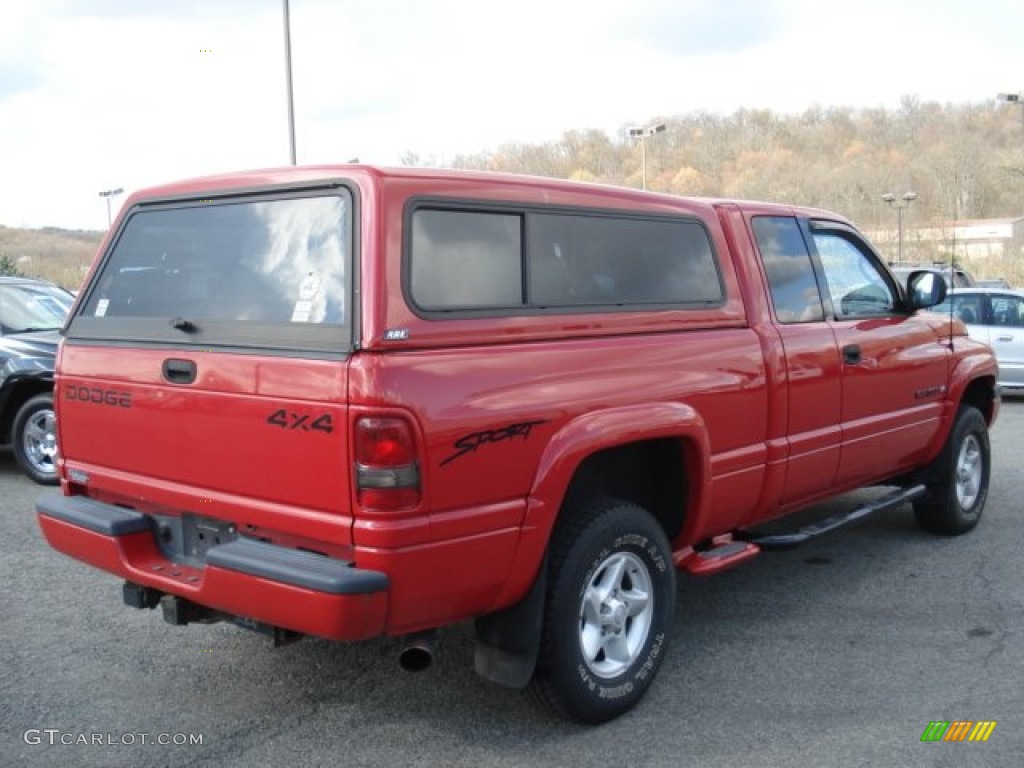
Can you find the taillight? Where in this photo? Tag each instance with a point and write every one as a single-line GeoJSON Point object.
{"type": "Point", "coordinates": [387, 473]}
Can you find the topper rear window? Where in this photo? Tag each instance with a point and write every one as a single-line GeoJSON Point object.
{"type": "Point", "coordinates": [254, 273]}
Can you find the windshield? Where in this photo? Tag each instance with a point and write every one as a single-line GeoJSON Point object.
{"type": "Point", "coordinates": [256, 273]}
{"type": "Point", "coordinates": [32, 307]}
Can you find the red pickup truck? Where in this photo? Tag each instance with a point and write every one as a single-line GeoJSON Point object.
{"type": "Point", "coordinates": [347, 401]}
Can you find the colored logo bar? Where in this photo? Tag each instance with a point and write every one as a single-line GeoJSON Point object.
{"type": "Point", "coordinates": [958, 730]}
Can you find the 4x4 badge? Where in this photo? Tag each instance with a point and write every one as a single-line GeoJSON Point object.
{"type": "Point", "coordinates": [304, 422]}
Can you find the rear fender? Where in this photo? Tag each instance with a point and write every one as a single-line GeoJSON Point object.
{"type": "Point", "coordinates": [588, 434]}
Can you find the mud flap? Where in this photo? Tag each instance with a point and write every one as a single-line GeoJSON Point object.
{"type": "Point", "coordinates": [508, 641]}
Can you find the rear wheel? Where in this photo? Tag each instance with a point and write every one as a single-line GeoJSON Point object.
{"type": "Point", "coordinates": [959, 487]}
{"type": "Point", "coordinates": [34, 439]}
{"type": "Point", "coordinates": [609, 609]}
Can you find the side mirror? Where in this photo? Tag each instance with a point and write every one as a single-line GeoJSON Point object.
{"type": "Point", "coordinates": [925, 289]}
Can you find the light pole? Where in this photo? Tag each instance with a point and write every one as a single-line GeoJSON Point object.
{"type": "Point", "coordinates": [642, 134]}
{"type": "Point", "coordinates": [288, 78]}
{"type": "Point", "coordinates": [1013, 98]}
{"type": "Point", "coordinates": [907, 198]}
{"type": "Point", "coordinates": [109, 193]}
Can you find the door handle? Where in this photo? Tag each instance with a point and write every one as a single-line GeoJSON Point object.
{"type": "Point", "coordinates": [179, 371]}
{"type": "Point", "coordinates": [1004, 338]}
{"type": "Point", "coordinates": [851, 354]}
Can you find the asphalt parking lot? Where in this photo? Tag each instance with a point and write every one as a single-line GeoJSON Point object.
{"type": "Point", "coordinates": [839, 653]}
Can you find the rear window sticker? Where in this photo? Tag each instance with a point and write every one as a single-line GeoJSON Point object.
{"type": "Point", "coordinates": [302, 311]}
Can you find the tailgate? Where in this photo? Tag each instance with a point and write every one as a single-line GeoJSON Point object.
{"type": "Point", "coordinates": [204, 371]}
{"type": "Point", "coordinates": [271, 430]}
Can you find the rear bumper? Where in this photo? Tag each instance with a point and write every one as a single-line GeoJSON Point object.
{"type": "Point", "coordinates": [251, 579]}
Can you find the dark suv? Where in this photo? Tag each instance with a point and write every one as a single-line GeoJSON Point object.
{"type": "Point", "coordinates": [31, 315]}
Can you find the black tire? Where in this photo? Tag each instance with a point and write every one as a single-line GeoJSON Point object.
{"type": "Point", "coordinates": [616, 549]}
{"type": "Point", "coordinates": [958, 478]}
{"type": "Point", "coordinates": [34, 439]}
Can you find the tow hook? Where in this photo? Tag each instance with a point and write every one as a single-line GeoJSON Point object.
{"type": "Point", "coordinates": [138, 596]}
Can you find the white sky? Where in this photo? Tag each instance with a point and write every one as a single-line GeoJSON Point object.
{"type": "Point", "coordinates": [97, 94]}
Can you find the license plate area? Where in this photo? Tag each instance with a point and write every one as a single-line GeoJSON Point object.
{"type": "Point", "coordinates": [187, 539]}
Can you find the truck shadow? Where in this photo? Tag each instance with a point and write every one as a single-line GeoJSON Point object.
{"type": "Point", "coordinates": [776, 597]}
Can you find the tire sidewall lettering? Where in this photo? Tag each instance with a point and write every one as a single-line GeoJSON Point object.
{"type": "Point", "coordinates": [625, 684]}
{"type": "Point", "coordinates": [637, 675]}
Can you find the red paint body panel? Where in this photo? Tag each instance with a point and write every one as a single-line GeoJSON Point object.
{"type": "Point", "coordinates": [208, 448]}
{"type": "Point", "coordinates": [503, 411]}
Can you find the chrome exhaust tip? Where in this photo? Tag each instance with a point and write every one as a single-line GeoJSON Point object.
{"type": "Point", "coordinates": [418, 652]}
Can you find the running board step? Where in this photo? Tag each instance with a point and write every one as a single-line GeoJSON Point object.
{"type": "Point", "coordinates": [724, 553]}
{"type": "Point", "coordinates": [790, 540]}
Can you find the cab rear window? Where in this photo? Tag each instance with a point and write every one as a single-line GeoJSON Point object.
{"type": "Point", "coordinates": [267, 274]}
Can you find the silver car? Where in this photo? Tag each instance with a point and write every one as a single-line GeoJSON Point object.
{"type": "Point", "coordinates": [996, 317]}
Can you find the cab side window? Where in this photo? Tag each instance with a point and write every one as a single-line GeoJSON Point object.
{"type": "Point", "coordinates": [856, 285]}
{"type": "Point", "coordinates": [788, 267]}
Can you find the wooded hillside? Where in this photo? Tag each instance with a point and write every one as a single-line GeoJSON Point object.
{"type": "Point", "coordinates": [962, 161]}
